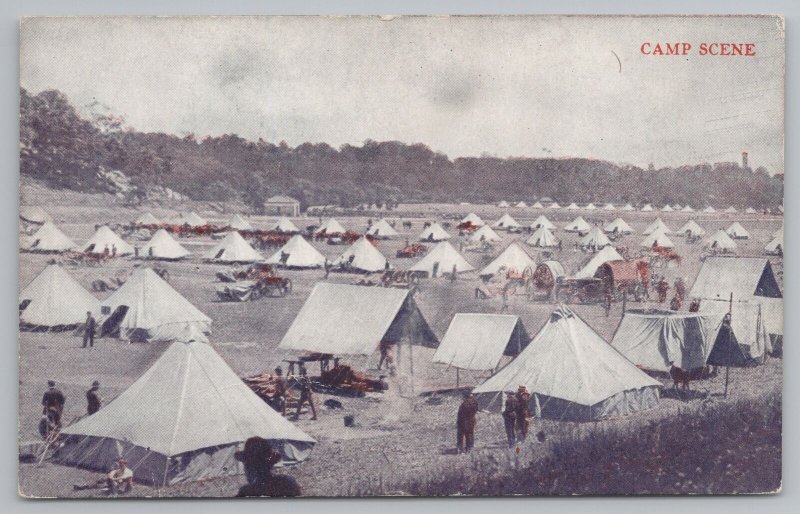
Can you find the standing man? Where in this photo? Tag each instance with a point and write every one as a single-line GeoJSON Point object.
{"type": "Point", "coordinates": [306, 395]}
{"type": "Point", "coordinates": [510, 417]}
{"type": "Point", "coordinates": [88, 333]}
{"type": "Point", "coordinates": [279, 397]}
{"type": "Point", "coordinates": [465, 423]}
{"type": "Point", "coordinates": [454, 274]}
{"type": "Point", "coordinates": [93, 400]}
{"type": "Point", "coordinates": [53, 403]}
{"type": "Point", "coordinates": [386, 355]}
{"type": "Point", "coordinates": [523, 412]}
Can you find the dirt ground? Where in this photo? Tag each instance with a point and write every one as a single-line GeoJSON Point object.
{"type": "Point", "coordinates": [396, 437]}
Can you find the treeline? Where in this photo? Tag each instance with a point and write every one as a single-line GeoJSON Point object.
{"type": "Point", "coordinates": [65, 150]}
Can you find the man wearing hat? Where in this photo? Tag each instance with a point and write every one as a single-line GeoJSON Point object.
{"type": "Point", "coordinates": [88, 333]}
{"type": "Point", "coordinates": [93, 400]}
{"type": "Point", "coordinates": [120, 479]}
{"type": "Point", "coordinates": [258, 458]}
{"type": "Point", "coordinates": [523, 398]}
{"type": "Point", "coordinates": [465, 423]}
{"type": "Point", "coordinates": [279, 396]}
{"type": "Point", "coordinates": [510, 417]}
{"type": "Point", "coordinates": [53, 403]}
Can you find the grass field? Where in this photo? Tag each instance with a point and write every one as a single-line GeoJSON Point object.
{"type": "Point", "coordinates": [397, 438]}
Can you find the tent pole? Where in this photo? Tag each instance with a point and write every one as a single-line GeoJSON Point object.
{"type": "Point", "coordinates": [727, 379]}
{"type": "Point", "coordinates": [411, 363]}
{"type": "Point", "coordinates": [458, 385]}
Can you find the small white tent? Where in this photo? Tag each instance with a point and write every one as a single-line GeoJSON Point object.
{"type": "Point", "coordinates": [628, 207]}
{"type": "Point", "coordinates": [721, 241]}
{"type": "Point", "coordinates": [775, 246]}
{"type": "Point", "coordinates": [709, 209]}
{"type": "Point", "coordinates": [537, 205]}
{"type": "Point", "coordinates": [687, 209]}
{"type": "Point", "coordinates": [441, 260]}
{"type": "Point", "coordinates": [49, 239]}
{"type": "Point", "coordinates": [750, 210]}
{"type": "Point", "coordinates": [647, 208]}
{"type": "Point", "coordinates": [609, 207]}
{"type": "Point", "coordinates": [484, 234]}
{"type": "Point", "coordinates": [285, 225]}
{"type": "Point", "coordinates": [542, 238]}
{"type": "Point", "coordinates": [731, 210]}
{"type": "Point", "coordinates": [192, 219]}
{"type": "Point", "coordinates": [503, 204]}
{"type": "Point", "coordinates": [163, 246]}
{"type": "Point", "coordinates": [737, 231]}
{"type": "Point", "coordinates": [105, 241]}
{"type": "Point", "coordinates": [555, 205]}
{"type": "Point", "coordinates": [677, 207]}
{"type": "Point", "coordinates": [472, 219]}
{"type": "Point", "coordinates": [572, 374]}
{"type": "Point", "coordinates": [434, 232]}
{"type": "Point", "coordinates": [238, 223]}
{"type": "Point", "coordinates": [657, 238]}
{"type": "Point", "coordinates": [578, 225]}
{"type": "Point", "coordinates": [573, 206]}
{"type": "Point", "coordinates": [506, 222]}
{"type": "Point", "coordinates": [513, 258]}
{"type": "Point", "coordinates": [298, 253]}
{"type": "Point", "coordinates": [331, 226]}
{"type": "Point", "coordinates": [691, 228]}
{"type": "Point", "coordinates": [618, 226]}
{"type": "Point", "coordinates": [148, 308]}
{"type": "Point", "coordinates": [542, 221]}
{"type": "Point", "coordinates": [595, 239]}
{"type": "Point", "coordinates": [232, 249]}
{"type": "Point", "coordinates": [181, 421]}
{"type": "Point", "coordinates": [657, 226]}
{"type": "Point", "coordinates": [591, 207]}
{"type": "Point", "coordinates": [363, 256]}
{"type": "Point", "coordinates": [35, 215]}
{"type": "Point", "coordinates": [478, 341]}
{"type": "Point", "coordinates": [55, 299]}
{"type": "Point", "coordinates": [147, 219]}
{"type": "Point", "coordinates": [608, 253]}
{"type": "Point", "coordinates": [521, 205]}
{"type": "Point", "coordinates": [381, 230]}
{"type": "Point", "coordinates": [667, 208]}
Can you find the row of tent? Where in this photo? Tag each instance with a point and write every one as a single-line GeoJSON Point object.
{"type": "Point", "coordinates": [627, 207]}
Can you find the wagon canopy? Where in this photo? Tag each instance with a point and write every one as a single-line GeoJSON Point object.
{"type": "Point", "coordinates": [652, 339]}
{"type": "Point", "coordinates": [572, 373]}
{"type": "Point", "coordinates": [343, 319]}
{"type": "Point", "coordinates": [478, 341]}
{"type": "Point", "coordinates": [55, 298]}
{"type": "Point", "coordinates": [181, 421]}
{"type": "Point", "coordinates": [620, 273]}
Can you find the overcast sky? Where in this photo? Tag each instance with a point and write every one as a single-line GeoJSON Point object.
{"type": "Point", "coordinates": [540, 87]}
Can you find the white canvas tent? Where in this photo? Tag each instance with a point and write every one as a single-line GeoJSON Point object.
{"type": "Point", "coordinates": [55, 299]}
{"type": "Point", "coordinates": [506, 222]}
{"type": "Point", "coordinates": [331, 226]}
{"type": "Point", "coordinates": [744, 277]}
{"type": "Point", "coordinates": [691, 228]}
{"type": "Point", "coordinates": [618, 226]}
{"type": "Point", "coordinates": [473, 219]}
{"type": "Point", "coordinates": [542, 238]}
{"type": "Point", "coordinates": [628, 207]}
{"type": "Point", "coordinates": [513, 258]}
{"type": "Point", "coordinates": [677, 207]}
{"type": "Point", "coordinates": [647, 208]}
{"type": "Point", "coordinates": [591, 207]}
{"type": "Point", "coordinates": [521, 205]}
{"type": "Point", "coordinates": [609, 207]}
{"type": "Point", "coordinates": [381, 230]}
{"type": "Point", "coordinates": [478, 341]}
{"type": "Point", "coordinates": [687, 208]}
{"type": "Point", "coordinates": [440, 261]}
{"type": "Point", "coordinates": [555, 205]}
{"type": "Point", "coordinates": [537, 205]}
{"type": "Point", "coordinates": [657, 226]}
{"type": "Point", "coordinates": [595, 239]}
{"type": "Point", "coordinates": [299, 254]}
{"type": "Point", "coordinates": [147, 219]}
{"type": "Point", "coordinates": [342, 319]}
{"type": "Point", "coordinates": [363, 256]}
{"type": "Point", "coordinates": [737, 231]}
{"type": "Point", "coordinates": [731, 210]}
{"type": "Point", "coordinates": [608, 253]}
{"type": "Point", "coordinates": [573, 206]}
{"type": "Point", "coordinates": [232, 249]}
{"type": "Point", "coordinates": [775, 246]}
{"type": "Point", "coordinates": [192, 219]}
{"type": "Point", "coordinates": [49, 239]}
{"type": "Point", "coordinates": [542, 221]}
{"type": "Point", "coordinates": [721, 241]}
{"type": "Point", "coordinates": [503, 204]}
{"type": "Point", "coordinates": [657, 238]}
{"type": "Point", "coordinates": [667, 208]}
{"type": "Point", "coordinates": [572, 374]}
{"type": "Point", "coordinates": [484, 234]}
{"type": "Point", "coordinates": [285, 225]}
{"type": "Point", "coordinates": [163, 246]}
{"type": "Point", "coordinates": [750, 210]}
{"type": "Point", "coordinates": [748, 323]}
{"type": "Point", "coordinates": [709, 209]}
{"type": "Point", "coordinates": [238, 223]}
{"type": "Point", "coordinates": [34, 214]}
{"type": "Point", "coordinates": [105, 241]}
{"type": "Point", "coordinates": [434, 232]}
{"type": "Point", "coordinates": [181, 421]}
{"type": "Point", "coordinates": [654, 339]}
{"type": "Point", "coordinates": [148, 308]}
{"type": "Point", "coordinates": [578, 225]}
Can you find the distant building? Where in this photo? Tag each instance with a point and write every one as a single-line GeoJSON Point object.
{"type": "Point", "coordinates": [282, 205]}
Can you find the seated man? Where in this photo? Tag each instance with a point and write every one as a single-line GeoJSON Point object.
{"type": "Point", "coordinates": [120, 480]}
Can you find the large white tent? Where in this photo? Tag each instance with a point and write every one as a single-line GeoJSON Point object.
{"type": "Point", "coordinates": [238, 223]}
{"type": "Point", "coordinates": [330, 226]}
{"type": "Point", "coordinates": [441, 260]}
{"type": "Point", "coordinates": [381, 230]}
{"type": "Point", "coordinates": [299, 253]}
{"type": "Point", "coordinates": [181, 421]}
{"type": "Point", "coordinates": [484, 234]}
{"type": "Point", "coordinates": [744, 277]}
{"type": "Point", "coordinates": [163, 246]}
{"type": "Point", "coordinates": [691, 228]}
{"type": "Point", "coordinates": [434, 232]}
{"type": "Point", "coordinates": [657, 238]}
{"type": "Point", "coordinates": [285, 225]}
{"type": "Point", "coordinates": [737, 231]}
{"type": "Point", "coordinates": [542, 238]}
{"type": "Point", "coordinates": [55, 299]}
{"type": "Point", "coordinates": [513, 258]}
{"type": "Point", "coordinates": [618, 226]}
{"type": "Point", "coordinates": [49, 239]}
{"type": "Point", "coordinates": [595, 239]}
{"type": "Point", "coordinates": [578, 225]}
{"type": "Point", "coordinates": [721, 241]}
{"type": "Point", "coordinates": [542, 221]}
{"type": "Point", "coordinates": [657, 226]}
{"type": "Point", "coordinates": [107, 241]}
{"type": "Point", "coordinates": [572, 374]}
{"type": "Point", "coordinates": [147, 308]}
{"type": "Point", "coordinates": [477, 341]}
{"type": "Point", "coordinates": [506, 222]}
{"type": "Point", "coordinates": [232, 249]}
{"type": "Point", "coordinates": [363, 256]}
{"type": "Point", "coordinates": [608, 253]}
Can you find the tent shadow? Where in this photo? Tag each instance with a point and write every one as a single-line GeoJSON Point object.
{"type": "Point", "coordinates": [683, 394]}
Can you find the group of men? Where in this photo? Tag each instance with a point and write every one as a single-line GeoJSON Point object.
{"type": "Point", "coordinates": [516, 418]}
{"type": "Point", "coordinates": [53, 401]}
{"type": "Point", "coordinates": [279, 397]}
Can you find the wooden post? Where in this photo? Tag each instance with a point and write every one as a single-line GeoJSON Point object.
{"type": "Point", "coordinates": [411, 363]}
{"type": "Point", "coordinates": [727, 379]}
{"type": "Point", "coordinates": [458, 385]}
{"type": "Point", "coordinates": [730, 322]}
{"type": "Point", "coordinates": [624, 301]}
